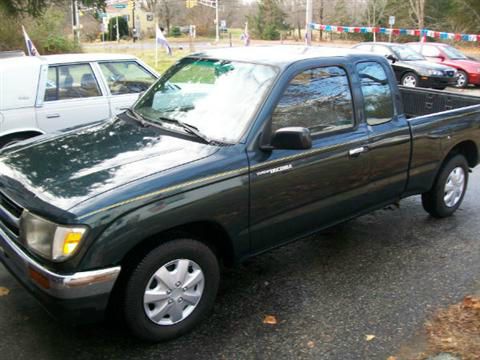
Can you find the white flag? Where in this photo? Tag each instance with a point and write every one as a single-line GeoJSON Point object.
{"type": "Point", "coordinates": [32, 50]}
{"type": "Point", "coordinates": [161, 40]}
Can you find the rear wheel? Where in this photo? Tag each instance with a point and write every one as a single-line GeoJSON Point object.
{"type": "Point", "coordinates": [449, 188]}
{"type": "Point", "coordinates": [171, 290]}
{"type": "Point", "coordinates": [462, 79]}
{"type": "Point", "coordinates": [410, 79]}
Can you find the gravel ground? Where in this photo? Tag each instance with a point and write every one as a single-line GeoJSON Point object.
{"type": "Point", "coordinates": [382, 274]}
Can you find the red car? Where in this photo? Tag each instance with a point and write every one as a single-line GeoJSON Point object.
{"type": "Point", "coordinates": [468, 69]}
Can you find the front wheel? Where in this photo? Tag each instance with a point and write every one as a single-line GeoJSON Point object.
{"type": "Point", "coordinates": [448, 189]}
{"type": "Point", "coordinates": [462, 79]}
{"type": "Point", "coordinates": [171, 290]}
{"type": "Point", "coordinates": [410, 80]}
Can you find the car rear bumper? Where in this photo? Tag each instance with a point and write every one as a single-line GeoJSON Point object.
{"type": "Point", "coordinates": [79, 298]}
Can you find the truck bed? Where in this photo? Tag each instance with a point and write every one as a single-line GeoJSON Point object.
{"type": "Point", "coordinates": [419, 101]}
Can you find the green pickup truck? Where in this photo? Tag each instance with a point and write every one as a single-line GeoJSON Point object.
{"type": "Point", "coordinates": [230, 153]}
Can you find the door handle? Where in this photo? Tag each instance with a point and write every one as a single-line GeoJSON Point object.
{"type": "Point", "coordinates": [357, 151]}
{"type": "Point", "coordinates": [53, 116]}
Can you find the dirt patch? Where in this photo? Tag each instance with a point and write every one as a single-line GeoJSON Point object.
{"type": "Point", "coordinates": [454, 330]}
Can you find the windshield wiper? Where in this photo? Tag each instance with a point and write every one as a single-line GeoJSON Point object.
{"type": "Point", "coordinates": [137, 117]}
{"type": "Point", "coordinates": [191, 129]}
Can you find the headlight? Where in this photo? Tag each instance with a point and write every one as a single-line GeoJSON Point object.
{"type": "Point", "coordinates": [48, 239]}
{"type": "Point", "coordinates": [434, 72]}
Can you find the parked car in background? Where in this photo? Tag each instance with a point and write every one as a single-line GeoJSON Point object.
{"type": "Point", "coordinates": [43, 94]}
{"type": "Point", "coordinates": [412, 69]}
{"type": "Point", "coordinates": [468, 69]}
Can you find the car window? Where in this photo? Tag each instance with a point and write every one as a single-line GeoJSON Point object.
{"type": "Point", "coordinates": [381, 50]}
{"type": "Point", "coordinates": [319, 99]}
{"type": "Point", "coordinates": [428, 50]}
{"type": "Point", "coordinates": [377, 95]}
{"type": "Point", "coordinates": [453, 53]}
{"type": "Point", "coordinates": [364, 47]}
{"type": "Point", "coordinates": [71, 82]}
{"type": "Point", "coordinates": [126, 77]}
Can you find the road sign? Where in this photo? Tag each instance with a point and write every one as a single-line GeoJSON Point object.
{"type": "Point", "coordinates": [120, 6]}
{"type": "Point", "coordinates": [391, 20]}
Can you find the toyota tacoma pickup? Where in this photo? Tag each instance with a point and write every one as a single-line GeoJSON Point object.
{"type": "Point", "coordinates": [230, 153]}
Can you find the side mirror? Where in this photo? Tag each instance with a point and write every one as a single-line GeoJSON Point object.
{"type": "Point", "coordinates": [291, 138]}
{"type": "Point", "coordinates": [392, 58]}
{"type": "Point", "coordinates": [441, 57]}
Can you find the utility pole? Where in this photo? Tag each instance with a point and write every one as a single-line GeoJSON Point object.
{"type": "Point", "coordinates": [134, 30]}
{"type": "Point", "coordinates": [217, 25]}
{"type": "Point", "coordinates": [118, 31]}
{"type": "Point", "coordinates": [308, 21]}
{"type": "Point", "coordinates": [75, 21]}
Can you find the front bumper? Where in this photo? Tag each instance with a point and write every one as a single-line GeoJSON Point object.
{"type": "Point", "coordinates": [80, 297]}
{"type": "Point", "coordinates": [437, 81]}
{"type": "Point", "coordinates": [474, 78]}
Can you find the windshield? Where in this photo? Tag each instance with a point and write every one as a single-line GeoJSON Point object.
{"type": "Point", "coordinates": [406, 54]}
{"type": "Point", "coordinates": [217, 98]}
{"type": "Point", "coordinates": [453, 53]}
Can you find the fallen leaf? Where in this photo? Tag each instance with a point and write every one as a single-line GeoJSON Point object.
{"type": "Point", "coordinates": [270, 320]}
{"type": "Point", "coordinates": [471, 302]}
{"type": "Point", "coordinates": [4, 291]}
{"type": "Point", "coordinates": [311, 344]}
{"type": "Point", "coordinates": [369, 337]}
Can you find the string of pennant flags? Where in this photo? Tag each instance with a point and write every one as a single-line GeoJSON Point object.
{"type": "Point", "coordinates": [382, 30]}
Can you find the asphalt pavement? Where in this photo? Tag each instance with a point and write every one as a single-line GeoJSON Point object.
{"type": "Point", "coordinates": [382, 274]}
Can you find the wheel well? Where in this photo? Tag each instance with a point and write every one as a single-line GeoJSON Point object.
{"type": "Point", "coordinates": [18, 135]}
{"type": "Point", "coordinates": [467, 149]}
{"type": "Point", "coordinates": [210, 233]}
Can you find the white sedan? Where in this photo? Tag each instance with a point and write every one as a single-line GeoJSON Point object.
{"type": "Point", "coordinates": [41, 94]}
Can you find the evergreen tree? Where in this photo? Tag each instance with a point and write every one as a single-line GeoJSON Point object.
{"type": "Point", "coordinates": [269, 20]}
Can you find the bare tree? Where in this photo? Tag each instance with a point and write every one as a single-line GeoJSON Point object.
{"type": "Point", "coordinates": [375, 10]}
{"type": "Point", "coordinates": [417, 8]}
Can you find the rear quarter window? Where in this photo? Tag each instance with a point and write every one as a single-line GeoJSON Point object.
{"type": "Point", "coordinates": [377, 94]}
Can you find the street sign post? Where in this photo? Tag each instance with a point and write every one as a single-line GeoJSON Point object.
{"type": "Point", "coordinates": [391, 22]}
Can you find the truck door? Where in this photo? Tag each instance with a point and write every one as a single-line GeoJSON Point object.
{"type": "Point", "coordinates": [388, 134]}
{"type": "Point", "coordinates": [294, 192]}
{"type": "Point", "coordinates": [72, 97]}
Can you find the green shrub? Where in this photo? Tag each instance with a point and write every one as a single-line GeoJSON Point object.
{"type": "Point", "coordinates": [270, 32]}
{"type": "Point", "coordinates": [175, 32]}
{"type": "Point", "coordinates": [46, 31]}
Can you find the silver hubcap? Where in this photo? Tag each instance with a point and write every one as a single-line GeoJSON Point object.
{"type": "Point", "coordinates": [409, 81]}
{"type": "Point", "coordinates": [461, 80]}
{"type": "Point", "coordinates": [173, 292]}
{"type": "Point", "coordinates": [454, 187]}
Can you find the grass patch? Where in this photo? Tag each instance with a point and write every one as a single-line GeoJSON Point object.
{"type": "Point", "coordinates": [146, 54]}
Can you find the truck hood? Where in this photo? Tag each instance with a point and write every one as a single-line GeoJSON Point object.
{"type": "Point", "coordinates": [73, 167]}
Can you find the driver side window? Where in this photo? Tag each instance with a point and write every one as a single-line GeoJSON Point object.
{"type": "Point", "coordinates": [126, 77]}
{"type": "Point", "coordinates": [318, 99]}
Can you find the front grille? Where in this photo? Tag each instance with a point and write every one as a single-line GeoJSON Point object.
{"type": "Point", "coordinates": [10, 213]}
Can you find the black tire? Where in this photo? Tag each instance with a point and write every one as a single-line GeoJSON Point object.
{"type": "Point", "coordinates": [462, 79]}
{"type": "Point", "coordinates": [433, 201]}
{"type": "Point", "coordinates": [407, 76]}
{"type": "Point", "coordinates": [10, 141]}
{"type": "Point", "coordinates": [133, 305]}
